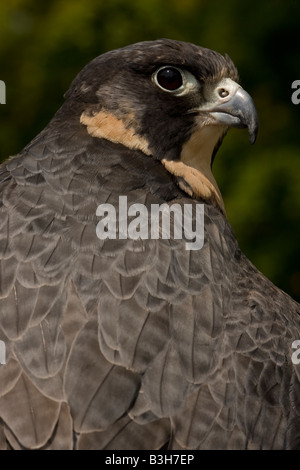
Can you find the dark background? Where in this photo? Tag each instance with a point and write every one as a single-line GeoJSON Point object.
{"type": "Point", "coordinates": [43, 45]}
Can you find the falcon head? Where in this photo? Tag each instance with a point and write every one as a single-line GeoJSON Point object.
{"type": "Point", "coordinates": [171, 100]}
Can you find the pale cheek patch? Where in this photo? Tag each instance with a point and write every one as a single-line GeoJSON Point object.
{"type": "Point", "coordinates": [195, 183]}
{"type": "Point", "coordinates": [105, 125]}
{"type": "Point", "coordinates": [194, 168]}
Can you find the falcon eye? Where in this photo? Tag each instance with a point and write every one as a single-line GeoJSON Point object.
{"type": "Point", "coordinates": [174, 80]}
{"type": "Point", "coordinates": [169, 78]}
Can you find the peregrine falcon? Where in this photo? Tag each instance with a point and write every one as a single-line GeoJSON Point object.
{"type": "Point", "coordinates": [135, 342]}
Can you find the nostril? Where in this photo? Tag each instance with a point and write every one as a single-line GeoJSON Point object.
{"type": "Point", "coordinates": [223, 93]}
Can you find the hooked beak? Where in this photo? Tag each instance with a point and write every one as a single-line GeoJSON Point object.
{"type": "Point", "coordinates": [229, 104]}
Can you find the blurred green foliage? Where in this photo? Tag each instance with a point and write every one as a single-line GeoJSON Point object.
{"type": "Point", "coordinates": [43, 45]}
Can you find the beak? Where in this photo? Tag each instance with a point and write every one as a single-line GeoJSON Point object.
{"type": "Point", "coordinates": [229, 104]}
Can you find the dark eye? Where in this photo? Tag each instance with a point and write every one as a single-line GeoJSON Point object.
{"type": "Point", "coordinates": [176, 81]}
{"type": "Point", "coordinates": [169, 78]}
